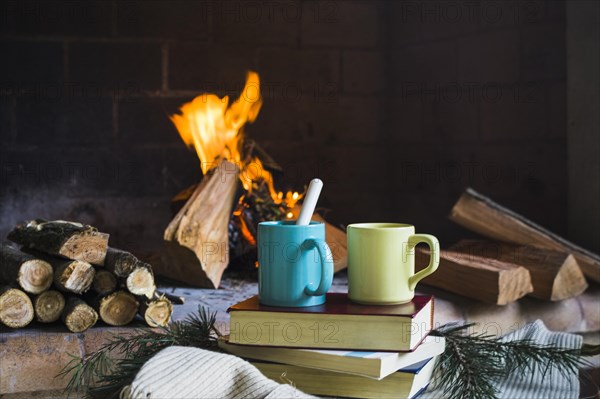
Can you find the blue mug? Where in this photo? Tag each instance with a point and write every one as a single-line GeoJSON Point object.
{"type": "Point", "coordinates": [295, 265]}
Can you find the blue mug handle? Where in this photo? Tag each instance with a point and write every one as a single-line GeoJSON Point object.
{"type": "Point", "coordinates": [326, 266]}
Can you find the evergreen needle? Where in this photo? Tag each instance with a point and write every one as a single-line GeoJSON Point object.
{"type": "Point", "coordinates": [470, 366]}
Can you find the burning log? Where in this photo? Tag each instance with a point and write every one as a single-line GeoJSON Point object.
{"type": "Point", "coordinates": [73, 275]}
{"type": "Point", "coordinates": [157, 312]}
{"type": "Point", "coordinates": [197, 244]}
{"type": "Point", "coordinates": [16, 309]}
{"type": "Point", "coordinates": [48, 306]}
{"type": "Point", "coordinates": [482, 215]}
{"type": "Point", "coordinates": [104, 282]}
{"type": "Point", "coordinates": [78, 316]}
{"type": "Point", "coordinates": [118, 308]}
{"type": "Point", "coordinates": [66, 239]}
{"type": "Point", "coordinates": [555, 275]}
{"type": "Point", "coordinates": [487, 280]}
{"type": "Point", "coordinates": [33, 275]}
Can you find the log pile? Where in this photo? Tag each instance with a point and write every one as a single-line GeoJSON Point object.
{"type": "Point", "coordinates": [58, 270]}
{"type": "Point", "coordinates": [518, 258]}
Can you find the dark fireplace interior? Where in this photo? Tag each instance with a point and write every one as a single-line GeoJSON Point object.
{"type": "Point", "coordinates": [396, 106]}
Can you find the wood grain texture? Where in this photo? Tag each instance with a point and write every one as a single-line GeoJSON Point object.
{"type": "Point", "coordinates": [78, 316]}
{"type": "Point", "coordinates": [482, 215]}
{"type": "Point", "coordinates": [48, 306]}
{"type": "Point", "coordinates": [33, 275]}
{"type": "Point", "coordinates": [157, 312]}
{"type": "Point", "coordinates": [197, 241]}
{"type": "Point", "coordinates": [73, 275]}
{"type": "Point", "coordinates": [118, 308]}
{"type": "Point", "coordinates": [104, 282]}
{"type": "Point", "coordinates": [16, 309]}
{"type": "Point", "coordinates": [484, 279]}
{"type": "Point", "coordinates": [555, 275]}
{"type": "Point", "coordinates": [141, 281]}
{"type": "Point", "coordinates": [60, 238]}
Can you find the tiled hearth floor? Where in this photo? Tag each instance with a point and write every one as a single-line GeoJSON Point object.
{"type": "Point", "coordinates": [30, 358]}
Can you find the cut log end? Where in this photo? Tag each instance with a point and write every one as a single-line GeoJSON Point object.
{"type": "Point", "coordinates": [513, 284]}
{"type": "Point", "coordinates": [118, 308]}
{"type": "Point", "coordinates": [104, 282]}
{"type": "Point", "coordinates": [74, 276]}
{"type": "Point", "coordinates": [157, 313]}
{"type": "Point", "coordinates": [141, 282]}
{"type": "Point", "coordinates": [48, 306]}
{"type": "Point", "coordinates": [78, 316]}
{"type": "Point", "coordinates": [569, 281]}
{"type": "Point", "coordinates": [35, 276]}
{"type": "Point", "coordinates": [89, 247]}
{"type": "Point", "coordinates": [121, 263]}
{"type": "Point", "coordinates": [16, 309]}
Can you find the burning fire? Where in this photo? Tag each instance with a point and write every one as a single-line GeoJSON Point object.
{"type": "Point", "coordinates": [215, 130]}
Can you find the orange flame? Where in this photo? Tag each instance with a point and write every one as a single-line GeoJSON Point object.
{"type": "Point", "coordinates": [216, 131]}
{"type": "Point", "coordinates": [213, 128]}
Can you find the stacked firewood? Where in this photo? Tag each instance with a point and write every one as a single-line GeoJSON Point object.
{"type": "Point", "coordinates": [64, 270]}
{"type": "Point", "coordinates": [517, 257]}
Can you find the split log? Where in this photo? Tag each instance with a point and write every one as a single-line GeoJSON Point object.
{"type": "Point", "coordinates": [197, 241]}
{"type": "Point", "coordinates": [482, 215]}
{"type": "Point", "coordinates": [78, 316]}
{"type": "Point", "coordinates": [66, 239]}
{"type": "Point", "coordinates": [484, 279]}
{"type": "Point", "coordinates": [157, 312]}
{"type": "Point", "coordinates": [118, 308]}
{"type": "Point", "coordinates": [104, 282]}
{"type": "Point", "coordinates": [555, 275]}
{"type": "Point", "coordinates": [73, 275]}
{"type": "Point", "coordinates": [48, 306]}
{"type": "Point", "coordinates": [33, 275]}
{"type": "Point", "coordinates": [16, 309]}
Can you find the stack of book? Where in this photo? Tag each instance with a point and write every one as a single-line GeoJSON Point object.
{"type": "Point", "coordinates": [340, 348]}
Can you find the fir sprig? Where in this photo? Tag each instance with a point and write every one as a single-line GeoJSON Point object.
{"type": "Point", "coordinates": [103, 373]}
{"type": "Point", "coordinates": [473, 363]}
{"type": "Point", "coordinates": [469, 367]}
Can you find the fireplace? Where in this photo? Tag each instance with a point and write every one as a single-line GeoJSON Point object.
{"type": "Point", "coordinates": [395, 120]}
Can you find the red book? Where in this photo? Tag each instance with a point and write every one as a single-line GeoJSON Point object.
{"type": "Point", "coordinates": [338, 324]}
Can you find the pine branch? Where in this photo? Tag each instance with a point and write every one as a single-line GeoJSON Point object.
{"type": "Point", "coordinates": [470, 367]}
{"type": "Point", "coordinates": [108, 375]}
{"type": "Point", "coordinates": [473, 363]}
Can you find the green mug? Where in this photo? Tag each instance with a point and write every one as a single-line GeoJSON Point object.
{"type": "Point", "coordinates": [381, 262]}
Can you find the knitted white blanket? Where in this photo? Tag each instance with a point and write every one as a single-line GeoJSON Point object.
{"type": "Point", "coordinates": [183, 372]}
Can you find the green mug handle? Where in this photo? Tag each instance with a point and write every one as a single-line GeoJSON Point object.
{"type": "Point", "coordinates": [434, 259]}
{"type": "Point", "coordinates": [326, 266]}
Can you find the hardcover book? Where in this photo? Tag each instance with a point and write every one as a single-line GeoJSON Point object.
{"type": "Point", "coordinates": [406, 383]}
{"type": "Point", "coordinates": [337, 324]}
{"type": "Point", "coordinates": [375, 365]}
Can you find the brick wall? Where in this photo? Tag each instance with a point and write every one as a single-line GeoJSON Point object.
{"type": "Point", "coordinates": [478, 99]}
{"type": "Point", "coordinates": [361, 93]}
